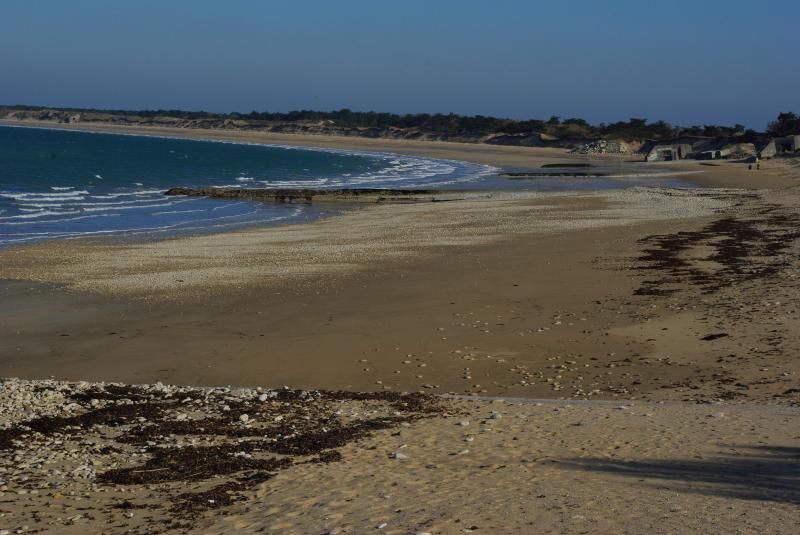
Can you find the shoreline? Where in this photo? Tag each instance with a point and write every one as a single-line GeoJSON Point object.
{"type": "Point", "coordinates": [336, 304]}
{"type": "Point", "coordinates": [340, 290]}
{"type": "Point", "coordinates": [206, 136]}
{"type": "Point", "coordinates": [775, 173]}
{"type": "Point", "coordinates": [502, 160]}
{"type": "Point", "coordinates": [462, 170]}
{"type": "Point", "coordinates": [634, 344]}
{"type": "Point", "coordinates": [292, 140]}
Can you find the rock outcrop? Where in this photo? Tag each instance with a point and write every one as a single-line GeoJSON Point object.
{"type": "Point", "coordinates": [307, 196]}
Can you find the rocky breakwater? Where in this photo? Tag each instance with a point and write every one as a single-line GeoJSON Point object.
{"type": "Point", "coordinates": [308, 196]}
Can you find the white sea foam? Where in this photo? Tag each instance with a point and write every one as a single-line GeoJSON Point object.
{"type": "Point", "coordinates": [121, 203]}
{"type": "Point", "coordinates": [226, 206]}
{"type": "Point", "coordinates": [50, 196]}
{"type": "Point", "coordinates": [64, 220]}
{"type": "Point", "coordinates": [316, 182]}
{"type": "Point", "coordinates": [130, 231]}
{"type": "Point", "coordinates": [41, 213]}
{"type": "Point", "coordinates": [387, 170]}
{"type": "Point", "coordinates": [37, 207]}
{"type": "Point", "coordinates": [150, 230]}
{"type": "Point", "coordinates": [101, 208]}
{"type": "Point", "coordinates": [129, 194]}
{"type": "Point", "coordinates": [469, 170]}
{"type": "Point", "coordinates": [177, 212]}
{"type": "Point", "coordinates": [384, 155]}
{"type": "Point", "coordinates": [61, 203]}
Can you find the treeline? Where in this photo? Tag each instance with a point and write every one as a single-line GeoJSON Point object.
{"type": "Point", "coordinates": [453, 124]}
{"type": "Point", "coordinates": [786, 124]}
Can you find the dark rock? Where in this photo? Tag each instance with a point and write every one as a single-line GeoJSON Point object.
{"type": "Point", "coordinates": [306, 195]}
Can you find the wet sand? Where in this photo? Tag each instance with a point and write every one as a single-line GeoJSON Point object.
{"type": "Point", "coordinates": [492, 294]}
{"type": "Point", "coordinates": [456, 298]}
{"type": "Point", "coordinates": [645, 296]}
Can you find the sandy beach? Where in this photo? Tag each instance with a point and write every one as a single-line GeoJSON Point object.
{"type": "Point", "coordinates": [717, 174]}
{"type": "Point", "coordinates": [642, 342]}
{"type": "Point", "coordinates": [157, 459]}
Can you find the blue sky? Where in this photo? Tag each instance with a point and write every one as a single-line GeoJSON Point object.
{"type": "Point", "coordinates": [687, 62]}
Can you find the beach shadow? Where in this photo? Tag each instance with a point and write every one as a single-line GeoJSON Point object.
{"type": "Point", "coordinates": [764, 473]}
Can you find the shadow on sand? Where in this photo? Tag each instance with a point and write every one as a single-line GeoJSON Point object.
{"type": "Point", "coordinates": [764, 473]}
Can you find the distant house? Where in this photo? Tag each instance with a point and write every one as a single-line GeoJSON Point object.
{"type": "Point", "coordinates": [741, 151]}
{"type": "Point", "coordinates": [787, 144]}
{"type": "Point", "coordinates": [768, 150]}
{"type": "Point", "coordinates": [669, 152]}
{"type": "Point", "coordinates": [715, 154]}
{"type": "Point", "coordinates": [717, 148]}
{"type": "Point", "coordinates": [722, 148]}
{"type": "Point", "coordinates": [732, 151]}
{"type": "Point", "coordinates": [780, 145]}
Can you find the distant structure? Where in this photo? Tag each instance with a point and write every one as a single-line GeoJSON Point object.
{"type": "Point", "coordinates": [768, 150]}
{"type": "Point", "coordinates": [601, 146]}
{"type": "Point", "coordinates": [787, 144]}
{"type": "Point", "coordinates": [699, 148]}
{"type": "Point", "coordinates": [716, 150]}
{"type": "Point", "coordinates": [779, 146]}
{"type": "Point", "coordinates": [724, 149]}
{"type": "Point", "coordinates": [669, 152]}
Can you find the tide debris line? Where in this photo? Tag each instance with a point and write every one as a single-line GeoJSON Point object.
{"type": "Point", "coordinates": [175, 452]}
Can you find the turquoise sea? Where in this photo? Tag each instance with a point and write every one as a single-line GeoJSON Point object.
{"type": "Point", "coordinates": [57, 183]}
{"type": "Point", "coordinates": [65, 183]}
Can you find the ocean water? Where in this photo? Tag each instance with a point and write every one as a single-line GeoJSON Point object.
{"type": "Point", "coordinates": [68, 184]}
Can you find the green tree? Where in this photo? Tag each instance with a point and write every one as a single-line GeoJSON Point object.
{"type": "Point", "coordinates": [787, 123]}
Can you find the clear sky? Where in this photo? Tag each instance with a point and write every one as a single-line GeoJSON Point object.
{"type": "Point", "coordinates": [684, 61]}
